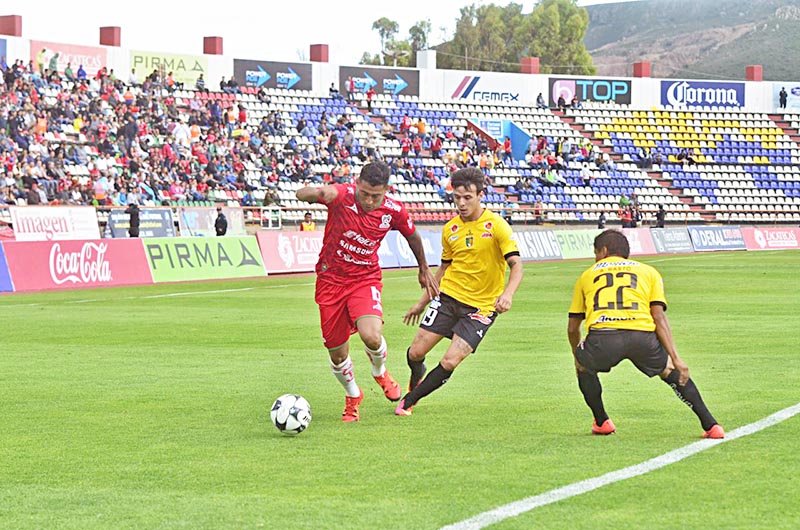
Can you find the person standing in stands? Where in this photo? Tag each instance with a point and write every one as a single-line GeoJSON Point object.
{"type": "Point", "coordinates": [133, 224]}
{"type": "Point", "coordinates": [308, 224]}
{"type": "Point", "coordinates": [348, 288]}
{"type": "Point", "coordinates": [370, 97]}
{"type": "Point", "coordinates": [221, 224]}
{"type": "Point", "coordinates": [782, 97]}
{"type": "Point", "coordinates": [661, 216]}
{"type": "Point", "coordinates": [350, 86]}
{"type": "Point", "coordinates": [624, 306]}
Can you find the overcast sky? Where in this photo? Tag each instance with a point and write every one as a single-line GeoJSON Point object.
{"type": "Point", "coordinates": [273, 30]}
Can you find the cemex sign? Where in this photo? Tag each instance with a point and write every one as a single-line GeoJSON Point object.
{"type": "Point", "coordinates": [473, 89]}
{"type": "Point", "coordinates": [605, 90]}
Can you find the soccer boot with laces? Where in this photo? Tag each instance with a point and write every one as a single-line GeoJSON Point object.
{"type": "Point", "coordinates": [351, 405]}
{"type": "Point", "coordinates": [716, 432]}
{"type": "Point", "coordinates": [607, 427]}
{"type": "Point", "coordinates": [391, 389]}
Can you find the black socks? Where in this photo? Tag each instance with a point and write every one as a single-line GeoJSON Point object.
{"type": "Point", "coordinates": [436, 378]}
{"type": "Point", "coordinates": [689, 394]}
{"type": "Point", "coordinates": [592, 392]}
{"type": "Point", "coordinates": [418, 370]}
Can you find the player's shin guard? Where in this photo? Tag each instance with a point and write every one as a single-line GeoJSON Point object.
{"type": "Point", "coordinates": [377, 358]}
{"type": "Point", "coordinates": [592, 392]}
{"type": "Point", "coordinates": [345, 375]}
{"type": "Point", "coordinates": [436, 378]}
{"type": "Point", "coordinates": [418, 370]}
{"type": "Point", "coordinates": [689, 394]}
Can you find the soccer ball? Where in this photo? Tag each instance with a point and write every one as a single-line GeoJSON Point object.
{"type": "Point", "coordinates": [290, 414]}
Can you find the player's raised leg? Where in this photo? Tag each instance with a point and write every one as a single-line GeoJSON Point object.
{"type": "Point", "coordinates": [367, 311]}
{"type": "Point", "coordinates": [458, 350]}
{"type": "Point", "coordinates": [370, 330]}
{"type": "Point", "coordinates": [424, 341]}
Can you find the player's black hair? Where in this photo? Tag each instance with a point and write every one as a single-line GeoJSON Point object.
{"type": "Point", "coordinates": [466, 177]}
{"type": "Point", "coordinates": [307, 213]}
{"type": "Point", "coordinates": [615, 241]}
{"type": "Point", "coordinates": [375, 174]}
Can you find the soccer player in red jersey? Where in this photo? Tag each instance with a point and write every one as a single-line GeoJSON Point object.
{"type": "Point", "coordinates": [348, 289]}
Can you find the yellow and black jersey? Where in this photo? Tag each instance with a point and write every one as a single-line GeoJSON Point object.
{"type": "Point", "coordinates": [617, 293]}
{"type": "Point", "coordinates": [477, 252]}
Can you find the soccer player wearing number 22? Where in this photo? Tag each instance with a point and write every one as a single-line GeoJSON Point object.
{"type": "Point", "coordinates": [476, 246]}
{"type": "Point", "coordinates": [624, 306]}
{"type": "Point", "coordinates": [348, 289]}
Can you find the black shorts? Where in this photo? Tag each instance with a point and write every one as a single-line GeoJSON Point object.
{"type": "Point", "coordinates": [446, 316]}
{"type": "Point", "coordinates": [603, 349]}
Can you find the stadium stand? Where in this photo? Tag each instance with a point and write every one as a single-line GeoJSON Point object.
{"type": "Point", "coordinates": [104, 142]}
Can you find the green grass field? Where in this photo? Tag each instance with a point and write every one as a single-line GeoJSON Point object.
{"type": "Point", "coordinates": [136, 408]}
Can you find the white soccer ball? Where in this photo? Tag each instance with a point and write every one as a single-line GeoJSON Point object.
{"type": "Point", "coordinates": [290, 414]}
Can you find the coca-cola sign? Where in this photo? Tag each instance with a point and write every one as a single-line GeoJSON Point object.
{"type": "Point", "coordinates": [38, 265]}
{"type": "Point", "coordinates": [87, 265]}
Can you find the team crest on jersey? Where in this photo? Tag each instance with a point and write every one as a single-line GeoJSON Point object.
{"type": "Point", "coordinates": [488, 225]}
{"type": "Point", "coordinates": [454, 228]}
{"type": "Point", "coordinates": [469, 240]}
{"type": "Point", "coordinates": [386, 221]}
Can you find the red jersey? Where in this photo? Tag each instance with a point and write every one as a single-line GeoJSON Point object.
{"type": "Point", "coordinates": [352, 237]}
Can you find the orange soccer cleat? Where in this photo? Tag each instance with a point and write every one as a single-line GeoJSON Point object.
{"type": "Point", "coordinates": [400, 411]}
{"type": "Point", "coordinates": [351, 404]}
{"type": "Point", "coordinates": [607, 427]}
{"type": "Point", "coordinates": [716, 432]}
{"type": "Point", "coordinates": [390, 387]}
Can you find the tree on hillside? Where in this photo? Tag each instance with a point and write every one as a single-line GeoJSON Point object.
{"type": "Point", "coordinates": [495, 38]}
{"type": "Point", "coordinates": [398, 52]}
{"type": "Point", "coordinates": [387, 29]}
{"type": "Point", "coordinates": [418, 35]}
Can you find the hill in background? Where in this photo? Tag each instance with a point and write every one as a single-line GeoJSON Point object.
{"type": "Point", "coordinates": [696, 39]}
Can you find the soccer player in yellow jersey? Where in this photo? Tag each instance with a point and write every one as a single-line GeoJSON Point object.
{"type": "Point", "coordinates": [476, 246]}
{"type": "Point", "coordinates": [624, 306]}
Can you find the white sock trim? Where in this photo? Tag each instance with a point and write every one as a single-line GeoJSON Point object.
{"type": "Point", "coordinates": [377, 358]}
{"type": "Point", "coordinates": [346, 376]}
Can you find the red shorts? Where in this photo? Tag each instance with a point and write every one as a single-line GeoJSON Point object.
{"type": "Point", "coordinates": [341, 305]}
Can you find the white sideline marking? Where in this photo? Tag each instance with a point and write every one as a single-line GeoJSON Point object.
{"type": "Point", "coordinates": [513, 509]}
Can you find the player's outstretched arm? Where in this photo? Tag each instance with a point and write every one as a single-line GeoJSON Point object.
{"type": "Point", "coordinates": [426, 278]}
{"type": "Point", "coordinates": [664, 333]}
{"type": "Point", "coordinates": [312, 194]}
{"type": "Point", "coordinates": [503, 302]}
{"type": "Point", "coordinates": [412, 315]}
